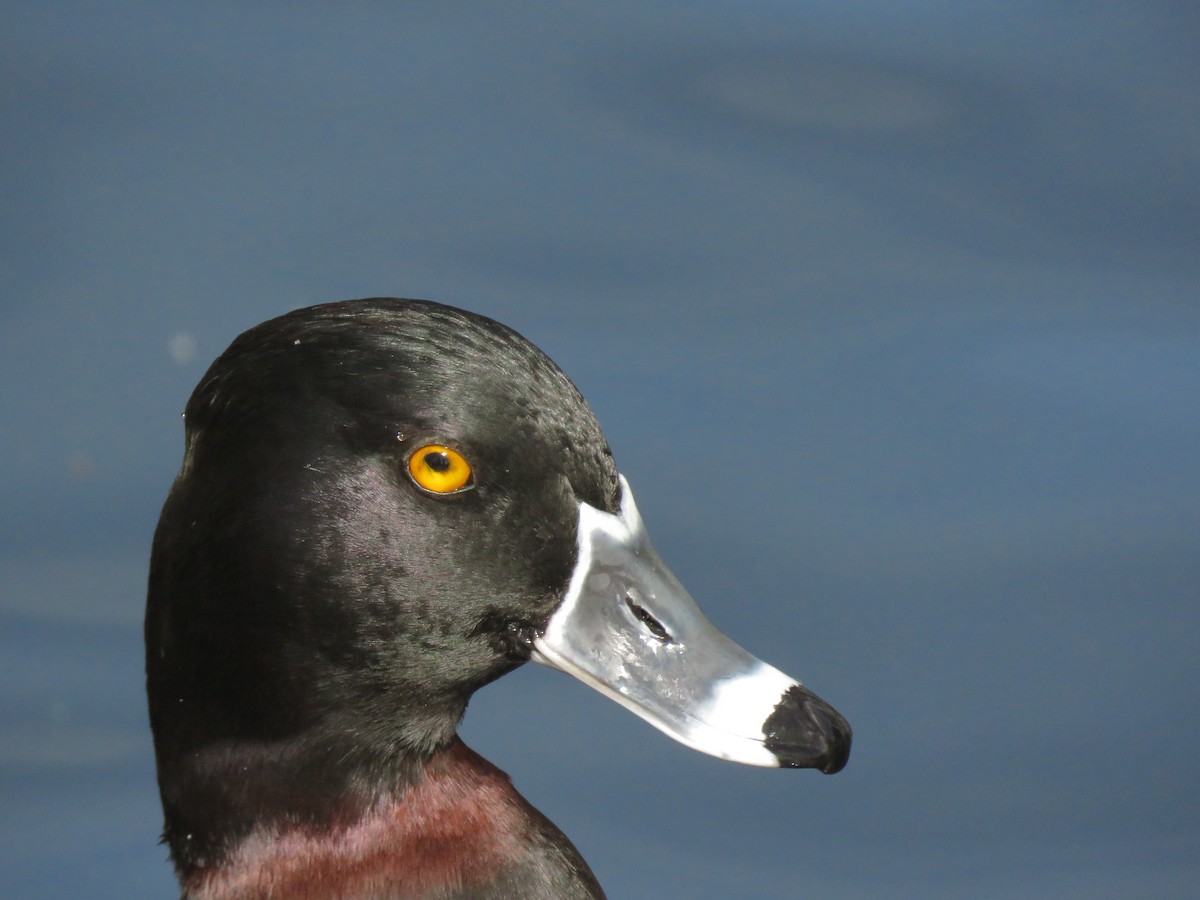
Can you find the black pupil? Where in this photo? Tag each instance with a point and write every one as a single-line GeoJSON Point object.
{"type": "Point", "coordinates": [439, 462]}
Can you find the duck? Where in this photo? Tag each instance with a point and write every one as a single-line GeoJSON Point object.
{"type": "Point", "coordinates": [384, 505]}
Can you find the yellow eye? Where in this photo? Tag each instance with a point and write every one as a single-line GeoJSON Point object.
{"type": "Point", "coordinates": [440, 469]}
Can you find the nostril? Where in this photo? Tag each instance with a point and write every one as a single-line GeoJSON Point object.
{"type": "Point", "coordinates": [652, 624]}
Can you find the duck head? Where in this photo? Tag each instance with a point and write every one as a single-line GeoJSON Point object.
{"type": "Point", "coordinates": [383, 506]}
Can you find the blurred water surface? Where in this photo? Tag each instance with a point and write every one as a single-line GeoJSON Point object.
{"type": "Point", "coordinates": [890, 314]}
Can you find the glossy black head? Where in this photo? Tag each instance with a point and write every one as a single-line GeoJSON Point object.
{"type": "Point", "coordinates": [314, 609]}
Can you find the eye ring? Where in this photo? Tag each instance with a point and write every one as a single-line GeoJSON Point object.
{"type": "Point", "coordinates": [438, 469]}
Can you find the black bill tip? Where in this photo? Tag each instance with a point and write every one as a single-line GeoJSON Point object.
{"type": "Point", "coordinates": [805, 732]}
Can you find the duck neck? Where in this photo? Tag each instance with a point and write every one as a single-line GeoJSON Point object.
{"type": "Point", "coordinates": [454, 827]}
